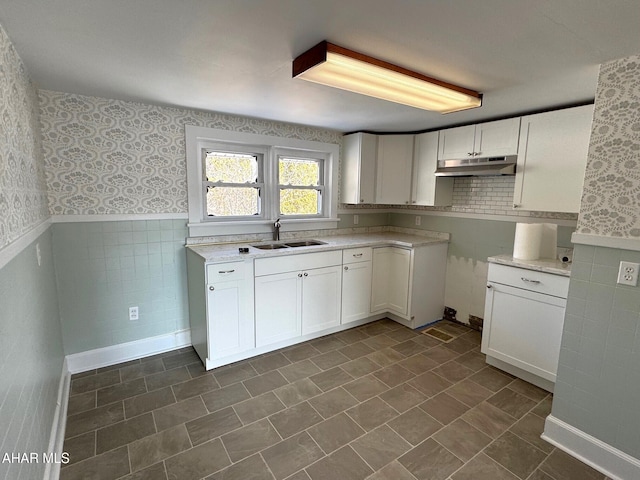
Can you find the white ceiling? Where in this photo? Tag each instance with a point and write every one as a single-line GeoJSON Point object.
{"type": "Point", "coordinates": [235, 55]}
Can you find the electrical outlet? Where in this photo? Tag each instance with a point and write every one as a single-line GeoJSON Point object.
{"type": "Point", "coordinates": [418, 220]}
{"type": "Point", "coordinates": [356, 219]}
{"type": "Point", "coordinates": [628, 273]}
{"type": "Point", "coordinates": [133, 313]}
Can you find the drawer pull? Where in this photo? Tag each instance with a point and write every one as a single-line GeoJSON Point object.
{"type": "Point", "coordinates": [489, 286]}
{"type": "Point", "coordinates": [346, 268]}
{"type": "Point", "coordinates": [529, 280]}
{"type": "Point", "coordinates": [306, 274]}
{"type": "Point", "coordinates": [357, 254]}
{"type": "Point", "coordinates": [226, 271]}
{"type": "Point", "coordinates": [300, 275]}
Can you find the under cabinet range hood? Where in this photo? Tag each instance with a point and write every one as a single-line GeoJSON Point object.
{"type": "Point", "coordinates": [477, 167]}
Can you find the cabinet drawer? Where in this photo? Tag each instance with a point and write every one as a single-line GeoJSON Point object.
{"type": "Point", "coordinates": [541, 282]}
{"type": "Point", "coordinates": [290, 263]}
{"type": "Point", "coordinates": [353, 255]}
{"type": "Point", "coordinates": [225, 272]}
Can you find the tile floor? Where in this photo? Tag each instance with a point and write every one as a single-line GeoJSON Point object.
{"type": "Point", "coordinates": [378, 402]}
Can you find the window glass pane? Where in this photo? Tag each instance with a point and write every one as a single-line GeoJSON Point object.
{"type": "Point", "coordinates": [299, 202]}
{"type": "Point", "coordinates": [232, 201]}
{"type": "Point", "coordinates": [231, 167]}
{"type": "Point", "coordinates": [298, 171]}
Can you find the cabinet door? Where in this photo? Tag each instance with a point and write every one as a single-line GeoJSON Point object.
{"type": "Point", "coordinates": [278, 307]}
{"type": "Point", "coordinates": [390, 283]}
{"type": "Point", "coordinates": [224, 304]}
{"type": "Point", "coordinates": [427, 189]}
{"type": "Point", "coordinates": [496, 139]}
{"type": "Point", "coordinates": [552, 158]}
{"type": "Point", "coordinates": [321, 298]}
{"type": "Point", "coordinates": [524, 329]}
{"type": "Point", "coordinates": [456, 143]}
{"type": "Point", "coordinates": [393, 173]}
{"type": "Point", "coordinates": [356, 291]}
{"type": "Point", "coordinates": [359, 168]}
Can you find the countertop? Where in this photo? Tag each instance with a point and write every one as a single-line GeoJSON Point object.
{"type": "Point", "coordinates": [228, 252]}
{"type": "Point", "coordinates": [547, 265]}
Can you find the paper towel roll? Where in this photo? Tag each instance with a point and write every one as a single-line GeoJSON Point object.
{"type": "Point", "coordinates": [526, 245]}
{"type": "Point", "coordinates": [549, 243]}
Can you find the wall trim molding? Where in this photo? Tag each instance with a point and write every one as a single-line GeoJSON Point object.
{"type": "Point", "coordinates": [121, 217]}
{"type": "Point", "coordinates": [56, 439]}
{"type": "Point", "coordinates": [608, 460]}
{"type": "Point", "coordinates": [123, 352]}
{"type": "Point", "coordinates": [623, 243]}
{"type": "Point", "coordinates": [14, 248]}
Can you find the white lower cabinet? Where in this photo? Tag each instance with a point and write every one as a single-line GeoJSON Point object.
{"type": "Point", "coordinates": [220, 309]}
{"type": "Point", "coordinates": [297, 302]}
{"type": "Point", "coordinates": [523, 321]}
{"type": "Point", "coordinates": [356, 284]}
{"type": "Point", "coordinates": [409, 283]}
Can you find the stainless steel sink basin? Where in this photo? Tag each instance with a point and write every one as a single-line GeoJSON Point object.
{"type": "Point", "coordinates": [305, 243]}
{"type": "Point", "coordinates": [270, 246]}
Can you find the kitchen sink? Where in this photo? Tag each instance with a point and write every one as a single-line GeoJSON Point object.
{"type": "Point", "coordinates": [305, 243]}
{"type": "Point", "coordinates": [270, 246]}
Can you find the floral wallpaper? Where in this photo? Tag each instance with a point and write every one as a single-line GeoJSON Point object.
{"type": "Point", "coordinates": [23, 198]}
{"type": "Point", "coordinates": [115, 157]}
{"type": "Point", "coordinates": [611, 197]}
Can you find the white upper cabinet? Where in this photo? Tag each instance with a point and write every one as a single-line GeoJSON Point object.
{"type": "Point", "coordinates": [426, 188]}
{"type": "Point", "coordinates": [552, 159]}
{"type": "Point", "coordinates": [359, 168]}
{"type": "Point", "coordinates": [491, 139]}
{"type": "Point", "coordinates": [393, 173]}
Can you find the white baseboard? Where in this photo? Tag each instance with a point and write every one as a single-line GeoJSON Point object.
{"type": "Point", "coordinates": [56, 439]}
{"type": "Point", "coordinates": [612, 462]}
{"type": "Point", "coordinates": [123, 352]}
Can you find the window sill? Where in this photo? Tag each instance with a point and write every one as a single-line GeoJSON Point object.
{"type": "Point", "coordinates": [208, 229]}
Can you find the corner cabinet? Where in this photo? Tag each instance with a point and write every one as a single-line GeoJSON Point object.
{"type": "Point", "coordinates": [490, 139]}
{"type": "Point", "coordinates": [393, 169]}
{"type": "Point", "coordinates": [523, 322]}
{"type": "Point", "coordinates": [359, 168]}
{"type": "Point", "coordinates": [408, 283]}
{"type": "Point", "coordinates": [552, 160]}
{"type": "Point", "coordinates": [220, 308]}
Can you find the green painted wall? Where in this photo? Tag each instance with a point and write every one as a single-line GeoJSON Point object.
{"type": "Point", "coordinates": [30, 356]}
{"type": "Point", "coordinates": [364, 220]}
{"type": "Point", "coordinates": [103, 268]}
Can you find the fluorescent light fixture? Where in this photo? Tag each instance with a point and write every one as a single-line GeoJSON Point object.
{"type": "Point", "coordinates": [339, 67]}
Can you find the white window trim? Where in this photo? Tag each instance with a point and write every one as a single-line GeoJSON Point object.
{"type": "Point", "coordinates": [200, 138]}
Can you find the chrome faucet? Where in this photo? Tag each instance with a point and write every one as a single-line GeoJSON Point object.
{"type": "Point", "coordinates": [276, 229]}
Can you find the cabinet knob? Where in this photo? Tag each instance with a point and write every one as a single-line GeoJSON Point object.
{"type": "Point", "coordinates": [470, 154]}
{"type": "Point", "coordinates": [406, 201]}
{"type": "Point", "coordinates": [346, 268]}
{"type": "Point", "coordinates": [212, 288]}
{"type": "Point", "coordinates": [413, 201]}
{"type": "Point", "coordinates": [475, 154]}
{"type": "Point", "coordinates": [489, 286]}
{"type": "Point", "coordinates": [306, 274]}
{"type": "Point", "coordinates": [515, 205]}
{"type": "Point", "coordinates": [362, 200]}
{"type": "Point", "coordinates": [300, 275]}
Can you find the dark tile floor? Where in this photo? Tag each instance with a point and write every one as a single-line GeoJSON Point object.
{"type": "Point", "coordinates": [379, 402]}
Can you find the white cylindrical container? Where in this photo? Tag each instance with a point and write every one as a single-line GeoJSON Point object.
{"type": "Point", "coordinates": [526, 245]}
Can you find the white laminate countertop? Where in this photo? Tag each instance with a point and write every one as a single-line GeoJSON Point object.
{"type": "Point", "coordinates": [547, 265]}
{"type": "Point", "coordinates": [228, 252]}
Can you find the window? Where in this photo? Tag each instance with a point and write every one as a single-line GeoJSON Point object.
{"type": "Point", "coordinates": [241, 183]}
{"type": "Point", "coordinates": [301, 185]}
{"type": "Point", "coordinates": [232, 183]}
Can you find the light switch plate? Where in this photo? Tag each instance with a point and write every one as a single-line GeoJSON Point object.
{"type": "Point", "coordinates": [133, 313]}
{"type": "Point", "coordinates": [628, 273]}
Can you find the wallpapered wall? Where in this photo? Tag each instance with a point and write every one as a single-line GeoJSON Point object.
{"type": "Point", "coordinates": [611, 197]}
{"type": "Point", "coordinates": [23, 200]}
{"type": "Point", "coordinates": [115, 157]}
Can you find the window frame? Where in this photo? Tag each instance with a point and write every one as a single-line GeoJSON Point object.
{"type": "Point", "coordinates": [318, 157]}
{"type": "Point", "coordinates": [201, 139]}
{"type": "Point", "coordinates": [260, 155]}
